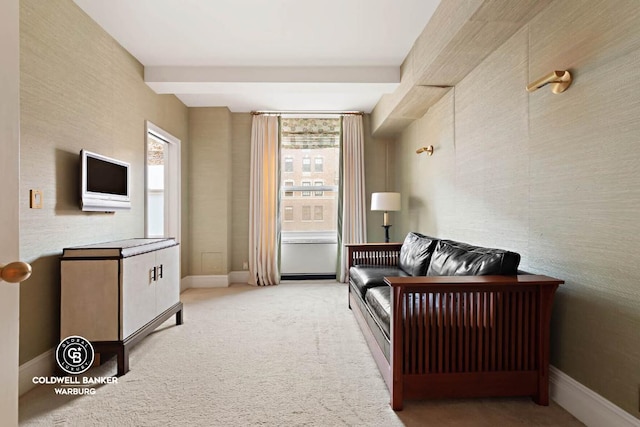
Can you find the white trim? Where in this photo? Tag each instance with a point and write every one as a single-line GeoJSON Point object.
{"type": "Point", "coordinates": [210, 281]}
{"type": "Point", "coordinates": [40, 366]}
{"type": "Point", "coordinates": [238, 277]}
{"type": "Point", "coordinates": [173, 199]}
{"type": "Point", "coordinates": [158, 132]}
{"type": "Point", "coordinates": [184, 284]}
{"type": "Point", "coordinates": [585, 404]}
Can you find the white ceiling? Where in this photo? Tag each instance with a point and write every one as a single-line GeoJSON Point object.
{"type": "Point", "coordinates": [267, 54]}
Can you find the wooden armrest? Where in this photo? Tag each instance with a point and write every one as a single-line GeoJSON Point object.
{"type": "Point", "coordinates": [373, 246]}
{"type": "Point", "coordinates": [482, 283]}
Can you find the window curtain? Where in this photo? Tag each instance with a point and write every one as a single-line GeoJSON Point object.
{"type": "Point", "coordinates": [264, 212]}
{"type": "Point", "coordinates": [352, 220]}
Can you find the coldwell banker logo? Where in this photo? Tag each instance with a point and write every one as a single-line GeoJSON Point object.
{"type": "Point", "coordinates": [74, 355]}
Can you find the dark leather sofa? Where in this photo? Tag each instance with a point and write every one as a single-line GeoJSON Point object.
{"type": "Point", "coordinates": [449, 319]}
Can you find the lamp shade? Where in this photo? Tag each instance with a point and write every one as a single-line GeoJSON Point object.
{"type": "Point", "coordinates": [385, 201]}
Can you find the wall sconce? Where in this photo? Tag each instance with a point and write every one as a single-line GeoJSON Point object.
{"type": "Point", "coordinates": [428, 149]}
{"type": "Point", "coordinates": [559, 80]}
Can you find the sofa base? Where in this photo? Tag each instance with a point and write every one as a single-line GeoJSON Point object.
{"type": "Point", "coordinates": [497, 346]}
{"type": "Point", "coordinates": [374, 347]}
{"type": "Point", "coordinates": [473, 384]}
{"type": "Point", "coordinates": [447, 385]}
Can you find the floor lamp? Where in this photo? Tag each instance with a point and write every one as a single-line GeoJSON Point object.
{"type": "Point", "coordinates": [385, 202]}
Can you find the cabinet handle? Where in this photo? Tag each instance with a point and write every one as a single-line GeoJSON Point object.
{"type": "Point", "coordinates": [152, 274]}
{"type": "Point", "coordinates": [160, 272]}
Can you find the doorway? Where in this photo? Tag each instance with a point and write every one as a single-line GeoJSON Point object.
{"type": "Point", "coordinates": [162, 183]}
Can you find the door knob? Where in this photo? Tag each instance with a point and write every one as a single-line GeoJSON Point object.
{"type": "Point", "coordinates": [15, 272]}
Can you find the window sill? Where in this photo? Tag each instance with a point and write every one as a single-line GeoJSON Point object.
{"type": "Point", "coordinates": [309, 242]}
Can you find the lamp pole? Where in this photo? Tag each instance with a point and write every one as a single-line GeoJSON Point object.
{"type": "Point", "coordinates": [386, 233]}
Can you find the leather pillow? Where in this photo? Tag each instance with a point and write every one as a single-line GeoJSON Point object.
{"type": "Point", "coordinates": [460, 259]}
{"type": "Point", "coordinates": [415, 254]}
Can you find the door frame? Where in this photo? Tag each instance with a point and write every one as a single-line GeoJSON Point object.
{"type": "Point", "coordinates": [10, 207]}
{"type": "Point", "coordinates": [173, 203]}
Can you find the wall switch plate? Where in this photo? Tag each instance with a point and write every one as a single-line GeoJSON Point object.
{"type": "Point", "coordinates": [36, 199]}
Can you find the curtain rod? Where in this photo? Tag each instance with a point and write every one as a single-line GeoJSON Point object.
{"type": "Point", "coordinates": [255, 113]}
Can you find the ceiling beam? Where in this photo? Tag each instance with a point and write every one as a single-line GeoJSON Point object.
{"type": "Point", "coordinates": [191, 80]}
{"type": "Point", "coordinates": [282, 86]}
{"type": "Point", "coordinates": [458, 37]}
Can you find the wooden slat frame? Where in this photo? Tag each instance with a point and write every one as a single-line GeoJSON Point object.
{"type": "Point", "coordinates": [473, 327]}
{"type": "Point", "coordinates": [379, 254]}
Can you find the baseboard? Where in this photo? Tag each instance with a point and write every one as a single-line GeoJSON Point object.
{"type": "Point", "coordinates": [298, 277]}
{"type": "Point", "coordinates": [585, 404]}
{"type": "Point", "coordinates": [184, 284]}
{"type": "Point", "coordinates": [238, 277]}
{"type": "Point", "coordinates": [40, 366]}
{"type": "Point", "coordinates": [219, 281]}
{"type": "Point", "coordinates": [209, 281]}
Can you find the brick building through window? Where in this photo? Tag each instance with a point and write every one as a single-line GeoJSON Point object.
{"type": "Point", "coordinates": [310, 154]}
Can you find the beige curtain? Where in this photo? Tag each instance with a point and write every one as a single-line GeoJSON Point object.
{"type": "Point", "coordinates": [353, 203]}
{"type": "Point", "coordinates": [264, 221]}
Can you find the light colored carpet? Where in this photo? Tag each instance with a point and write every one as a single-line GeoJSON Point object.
{"type": "Point", "coordinates": [288, 355]}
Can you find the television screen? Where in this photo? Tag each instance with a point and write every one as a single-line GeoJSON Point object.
{"type": "Point", "coordinates": [106, 177]}
{"type": "Point", "coordinates": [104, 183]}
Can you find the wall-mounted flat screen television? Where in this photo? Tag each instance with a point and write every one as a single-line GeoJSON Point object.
{"type": "Point", "coordinates": [105, 183]}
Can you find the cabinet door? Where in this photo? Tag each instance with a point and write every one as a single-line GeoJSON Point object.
{"type": "Point", "coordinates": [167, 286]}
{"type": "Point", "coordinates": [138, 292]}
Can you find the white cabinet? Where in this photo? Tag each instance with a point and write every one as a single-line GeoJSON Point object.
{"type": "Point", "coordinates": [115, 293]}
{"type": "Point", "coordinates": [168, 278]}
{"type": "Point", "coordinates": [152, 285]}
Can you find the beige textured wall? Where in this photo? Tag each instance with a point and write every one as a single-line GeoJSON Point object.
{"type": "Point", "coordinates": [79, 89]}
{"type": "Point", "coordinates": [554, 177]}
{"type": "Point", "coordinates": [378, 177]}
{"type": "Point", "coordinates": [210, 220]}
{"type": "Point", "coordinates": [427, 184]}
{"type": "Point", "coordinates": [240, 177]}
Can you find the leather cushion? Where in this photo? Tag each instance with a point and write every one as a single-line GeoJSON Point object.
{"type": "Point", "coordinates": [369, 276]}
{"type": "Point", "coordinates": [379, 301]}
{"type": "Point", "coordinates": [452, 258]}
{"type": "Point", "coordinates": [415, 253]}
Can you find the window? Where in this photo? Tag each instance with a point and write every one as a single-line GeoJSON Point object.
{"type": "Point", "coordinates": [306, 213]}
{"type": "Point", "coordinates": [288, 213]}
{"type": "Point", "coordinates": [286, 187]}
{"type": "Point", "coordinates": [309, 162]}
{"type": "Point", "coordinates": [306, 184]}
{"type": "Point", "coordinates": [288, 164]}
